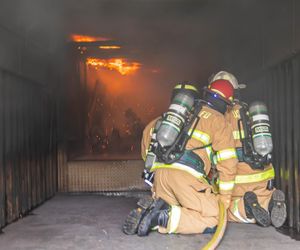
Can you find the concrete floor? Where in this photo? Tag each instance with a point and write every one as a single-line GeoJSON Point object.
{"type": "Point", "coordinates": [87, 222]}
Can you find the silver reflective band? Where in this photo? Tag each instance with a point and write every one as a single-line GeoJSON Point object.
{"type": "Point", "coordinates": [238, 215]}
{"type": "Point", "coordinates": [178, 108]}
{"type": "Point", "coordinates": [226, 154]}
{"type": "Point", "coordinates": [236, 134]}
{"type": "Point", "coordinates": [260, 117]}
{"type": "Point", "coordinates": [226, 185]}
{"type": "Point", "coordinates": [174, 219]}
{"type": "Point", "coordinates": [200, 136]}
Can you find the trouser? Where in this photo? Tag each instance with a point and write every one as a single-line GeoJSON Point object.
{"type": "Point", "coordinates": [236, 211]}
{"type": "Point", "coordinates": [193, 206]}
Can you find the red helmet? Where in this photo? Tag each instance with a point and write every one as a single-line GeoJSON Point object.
{"type": "Point", "coordinates": [223, 89]}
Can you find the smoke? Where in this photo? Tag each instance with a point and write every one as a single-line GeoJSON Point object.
{"type": "Point", "coordinates": [161, 33]}
{"type": "Point", "coordinates": [142, 91]}
{"type": "Point", "coordinates": [174, 40]}
{"type": "Point", "coordinates": [39, 22]}
{"type": "Point", "coordinates": [190, 39]}
{"type": "Point", "coordinates": [119, 107]}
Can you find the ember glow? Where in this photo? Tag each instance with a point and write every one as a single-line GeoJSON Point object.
{"type": "Point", "coordinates": [119, 64]}
{"type": "Point", "coordinates": [118, 106]}
{"type": "Point", "coordinates": [84, 38]}
{"type": "Point", "coordinates": [109, 47]}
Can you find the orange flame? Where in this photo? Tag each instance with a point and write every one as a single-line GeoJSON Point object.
{"type": "Point", "coordinates": [109, 47]}
{"type": "Point", "coordinates": [119, 64]}
{"type": "Point", "coordinates": [83, 38]}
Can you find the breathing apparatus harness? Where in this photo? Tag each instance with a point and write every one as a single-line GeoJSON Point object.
{"type": "Point", "coordinates": [255, 135]}
{"type": "Point", "coordinates": [172, 132]}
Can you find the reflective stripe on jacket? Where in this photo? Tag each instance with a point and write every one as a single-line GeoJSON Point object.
{"type": "Point", "coordinates": [179, 166]}
{"type": "Point", "coordinates": [256, 177]}
{"type": "Point", "coordinates": [210, 134]}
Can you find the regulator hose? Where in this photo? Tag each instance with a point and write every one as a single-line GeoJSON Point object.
{"type": "Point", "coordinates": [218, 235]}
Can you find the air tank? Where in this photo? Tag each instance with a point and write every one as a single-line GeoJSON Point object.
{"type": "Point", "coordinates": [174, 119]}
{"type": "Point", "coordinates": [260, 128]}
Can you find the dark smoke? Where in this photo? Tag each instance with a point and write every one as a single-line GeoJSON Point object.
{"type": "Point", "coordinates": [189, 39]}
{"type": "Point", "coordinates": [186, 40]}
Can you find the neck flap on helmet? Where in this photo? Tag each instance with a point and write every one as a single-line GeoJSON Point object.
{"type": "Point", "coordinates": [216, 103]}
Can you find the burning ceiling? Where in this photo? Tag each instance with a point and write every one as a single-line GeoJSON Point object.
{"type": "Point", "coordinates": [122, 65]}
{"type": "Point", "coordinates": [118, 105]}
{"type": "Point", "coordinates": [108, 47]}
{"type": "Point", "coordinates": [84, 38]}
{"type": "Point", "coordinates": [113, 62]}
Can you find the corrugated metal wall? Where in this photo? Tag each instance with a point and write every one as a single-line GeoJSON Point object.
{"type": "Point", "coordinates": [279, 87]}
{"type": "Point", "coordinates": [28, 149]}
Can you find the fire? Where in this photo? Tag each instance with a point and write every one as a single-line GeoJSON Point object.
{"type": "Point", "coordinates": [119, 64]}
{"type": "Point", "coordinates": [84, 38]}
{"type": "Point", "coordinates": [109, 47]}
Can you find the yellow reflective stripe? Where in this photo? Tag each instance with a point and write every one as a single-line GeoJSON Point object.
{"type": "Point", "coordinates": [215, 160]}
{"type": "Point", "coordinates": [226, 185]}
{"type": "Point", "coordinates": [179, 166]}
{"type": "Point", "coordinates": [226, 154]}
{"type": "Point", "coordinates": [219, 92]}
{"type": "Point", "coordinates": [205, 139]}
{"type": "Point", "coordinates": [262, 176]}
{"type": "Point", "coordinates": [200, 136]}
{"type": "Point", "coordinates": [179, 86]}
{"type": "Point", "coordinates": [151, 131]}
{"type": "Point", "coordinates": [236, 134]}
{"type": "Point", "coordinates": [209, 152]}
{"type": "Point", "coordinates": [174, 219]}
{"type": "Point", "coordinates": [237, 213]}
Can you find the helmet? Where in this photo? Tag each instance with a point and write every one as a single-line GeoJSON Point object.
{"type": "Point", "coordinates": [186, 88]}
{"type": "Point", "coordinates": [229, 77]}
{"type": "Point", "coordinates": [222, 89]}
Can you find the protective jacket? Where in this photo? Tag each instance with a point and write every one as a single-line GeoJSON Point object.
{"type": "Point", "coordinates": [247, 179]}
{"type": "Point", "coordinates": [211, 136]}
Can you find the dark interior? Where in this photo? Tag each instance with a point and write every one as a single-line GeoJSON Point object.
{"type": "Point", "coordinates": [79, 80]}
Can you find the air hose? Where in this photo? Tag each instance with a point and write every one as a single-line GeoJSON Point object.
{"type": "Point", "coordinates": [218, 235]}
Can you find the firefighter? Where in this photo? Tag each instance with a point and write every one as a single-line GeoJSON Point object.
{"type": "Point", "coordinates": [184, 201]}
{"type": "Point", "coordinates": [254, 199]}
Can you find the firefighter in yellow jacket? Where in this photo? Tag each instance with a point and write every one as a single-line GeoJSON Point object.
{"type": "Point", "coordinates": [184, 201]}
{"type": "Point", "coordinates": [254, 199]}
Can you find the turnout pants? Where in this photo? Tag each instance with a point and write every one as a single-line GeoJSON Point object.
{"type": "Point", "coordinates": [193, 205]}
{"type": "Point", "coordinates": [236, 211]}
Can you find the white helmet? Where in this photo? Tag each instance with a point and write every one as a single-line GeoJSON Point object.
{"type": "Point", "coordinates": [229, 77]}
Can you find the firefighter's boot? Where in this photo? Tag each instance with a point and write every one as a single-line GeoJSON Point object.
{"type": "Point", "coordinates": [254, 210]}
{"type": "Point", "coordinates": [277, 208]}
{"type": "Point", "coordinates": [157, 215]}
{"type": "Point", "coordinates": [135, 216]}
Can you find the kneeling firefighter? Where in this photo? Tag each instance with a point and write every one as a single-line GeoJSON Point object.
{"type": "Point", "coordinates": [254, 198]}
{"type": "Point", "coordinates": [178, 148]}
